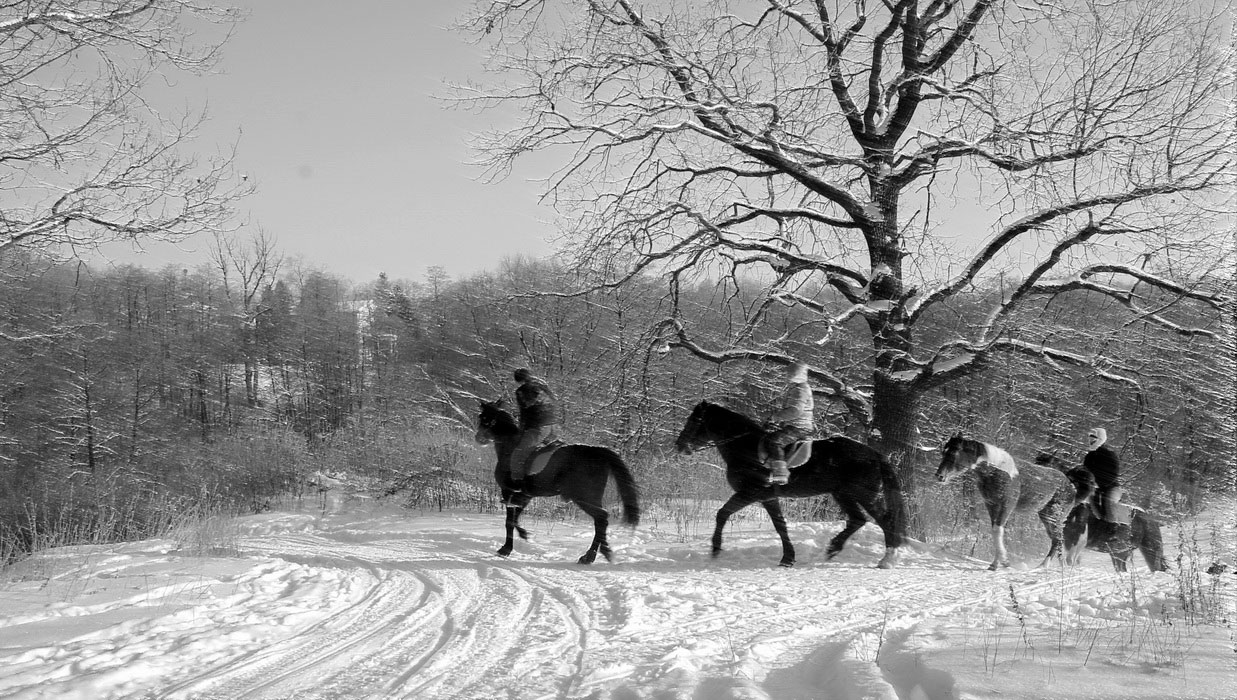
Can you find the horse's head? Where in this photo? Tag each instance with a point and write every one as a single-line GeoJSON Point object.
{"type": "Point", "coordinates": [711, 424]}
{"type": "Point", "coordinates": [958, 455]}
{"type": "Point", "coordinates": [693, 436]}
{"type": "Point", "coordinates": [494, 422]}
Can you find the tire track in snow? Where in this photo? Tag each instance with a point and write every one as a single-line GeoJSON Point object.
{"type": "Point", "coordinates": [550, 624]}
{"type": "Point", "coordinates": [440, 619]}
{"type": "Point", "coordinates": [389, 602]}
{"type": "Point", "coordinates": [821, 622]}
{"type": "Point", "coordinates": [444, 628]}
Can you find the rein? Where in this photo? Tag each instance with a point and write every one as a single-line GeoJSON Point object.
{"type": "Point", "coordinates": [719, 443]}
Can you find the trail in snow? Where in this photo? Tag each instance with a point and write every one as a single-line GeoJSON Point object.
{"type": "Point", "coordinates": [369, 602]}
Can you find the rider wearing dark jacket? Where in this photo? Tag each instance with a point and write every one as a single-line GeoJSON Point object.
{"type": "Point", "coordinates": [1102, 462]}
{"type": "Point", "coordinates": [539, 415]}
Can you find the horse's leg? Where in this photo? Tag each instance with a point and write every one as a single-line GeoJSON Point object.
{"type": "Point", "coordinates": [1051, 515]}
{"type": "Point", "coordinates": [998, 515]}
{"type": "Point", "coordinates": [1073, 554]}
{"type": "Point", "coordinates": [774, 508]}
{"type": "Point", "coordinates": [856, 518]}
{"type": "Point", "coordinates": [1150, 542]}
{"type": "Point", "coordinates": [1120, 562]}
{"type": "Point", "coordinates": [601, 520]}
{"type": "Point", "coordinates": [511, 523]}
{"type": "Point", "coordinates": [1000, 557]}
{"type": "Point", "coordinates": [734, 504]}
{"type": "Point", "coordinates": [888, 522]}
{"type": "Point", "coordinates": [1074, 533]}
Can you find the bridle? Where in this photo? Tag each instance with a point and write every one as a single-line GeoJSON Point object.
{"type": "Point", "coordinates": [953, 458]}
{"type": "Point", "coordinates": [694, 448]}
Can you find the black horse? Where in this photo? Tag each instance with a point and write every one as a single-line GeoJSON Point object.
{"type": "Point", "coordinates": [577, 473]}
{"type": "Point", "coordinates": [860, 480]}
{"type": "Point", "coordinates": [1085, 530]}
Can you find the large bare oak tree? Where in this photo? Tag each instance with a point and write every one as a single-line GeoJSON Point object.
{"type": "Point", "coordinates": [879, 162]}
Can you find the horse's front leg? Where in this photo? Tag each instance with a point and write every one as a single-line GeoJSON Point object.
{"type": "Point", "coordinates": [774, 508]}
{"type": "Point", "coordinates": [1075, 535]}
{"type": "Point", "coordinates": [1051, 516]}
{"type": "Point", "coordinates": [1000, 509]}
{"type": "Point", "coordinates": [734, 504]}
{"type": "Point", "coordinates": [512, 524]}
{"type": "Point", "coordinates": [1000, 560]}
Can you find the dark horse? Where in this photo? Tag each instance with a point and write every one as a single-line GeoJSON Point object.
{"type": "Point", "coordinates": [860, 480]}
{"type": "Point", "coordinates": [1006, 488]}
{"type": "Point", "coordinates": [577, 473]}
{"type": "Point", "coordinates": [1135, 530]}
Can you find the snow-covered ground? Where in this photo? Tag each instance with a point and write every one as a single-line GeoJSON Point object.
{"type": "Point", "coordinates": [358, 599]}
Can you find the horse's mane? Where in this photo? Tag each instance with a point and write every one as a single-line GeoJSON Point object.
{"type": "Point", "coordinates": [730, 415]}
{"type": "Point", "coordinates": [506, 422]}
{"type": "Point", "coordinates": [986, 452]}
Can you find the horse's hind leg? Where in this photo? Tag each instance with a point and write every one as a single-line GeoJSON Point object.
{"type": "Point", "coordinates": [734, 504]}
{"type": "Point", "coordinates": [774, 508]}
{"type": "Point", "coordinates": [855, 519]}
{"type": "Point", "coordinates": [601, 521]}
{"type": "Point", "coordinates": [1151, 543]}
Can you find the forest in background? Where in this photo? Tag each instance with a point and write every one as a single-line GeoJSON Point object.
{"type": "Point", "coordinates": [132, 399]}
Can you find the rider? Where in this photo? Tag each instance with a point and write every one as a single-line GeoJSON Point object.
{"type": "Point", "coordinates": [790, 422]}
{"type": "Point", "coordinates": [1102, 462]}
{"type": "Point", "coordinates": [539, 416]}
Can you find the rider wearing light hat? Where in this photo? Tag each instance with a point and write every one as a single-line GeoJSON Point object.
{"type": "Point", "coordinates": [1102, 462]}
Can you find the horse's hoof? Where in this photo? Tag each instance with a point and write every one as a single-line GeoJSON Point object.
{"type": "Point", "coordinates": [786, 564]}
{"type": "Point", "coordinates": [716, 551]}
{"type": "Point", "coordinates": [831, 553]}
{"type": "Point", "coordinates": [588, 558]}
{"type": "Point", "coordinates": [504, 552]}
{"type": "Point", "coordinates": [890, 560]}
{"type": "Point", "coordinates": [605, 552]}
{"type": "Point", "coordinates": [522, 533]}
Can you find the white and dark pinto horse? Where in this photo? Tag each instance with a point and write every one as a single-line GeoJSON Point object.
{"type": "Point", "coordinates": [1134, 529]}
{"type": "Point", "coordinates": [1006, 488]}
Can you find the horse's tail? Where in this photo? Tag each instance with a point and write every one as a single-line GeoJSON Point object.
{"type": "Point", "coordinates": [895, 504]}
{"type": "Point", "coordinates": [628, 491]}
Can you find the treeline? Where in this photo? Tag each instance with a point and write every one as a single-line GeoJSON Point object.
{"type": "Point", "coordinates": [129, 397]}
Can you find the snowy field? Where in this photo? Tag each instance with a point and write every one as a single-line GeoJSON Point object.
{"type": "Point", "coordinates": [351, 598]}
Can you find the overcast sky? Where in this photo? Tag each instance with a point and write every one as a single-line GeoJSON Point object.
{"type": "Point", "coordinates": [359, 169]}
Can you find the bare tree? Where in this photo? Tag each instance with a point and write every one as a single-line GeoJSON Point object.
{"type": "Point", "coordinates": [87, 155]}
{"type": "Point", "coordinates": [875, 163]}
{"type": "Point", "coordinates": [246, 270]}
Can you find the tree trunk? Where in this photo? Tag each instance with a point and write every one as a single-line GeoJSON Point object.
{"type": "Point", "coordinates": [895, 409]}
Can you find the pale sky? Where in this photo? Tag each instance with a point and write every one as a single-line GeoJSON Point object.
{"type": "Point", "coordinates": [359, 169]}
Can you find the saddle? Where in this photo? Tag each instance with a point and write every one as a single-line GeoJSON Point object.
{"type": "Point", "coordinates": [798, 453]}
{"type": "Point", "coordinates": [540, 458]}
{"type": "Point", "coordinates": [1122, 514]}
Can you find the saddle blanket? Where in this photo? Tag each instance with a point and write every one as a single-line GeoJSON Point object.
{"type": "Point", "coordinates": [798, 454]}
{"type": "Point", "coordinates": [542, 456]}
